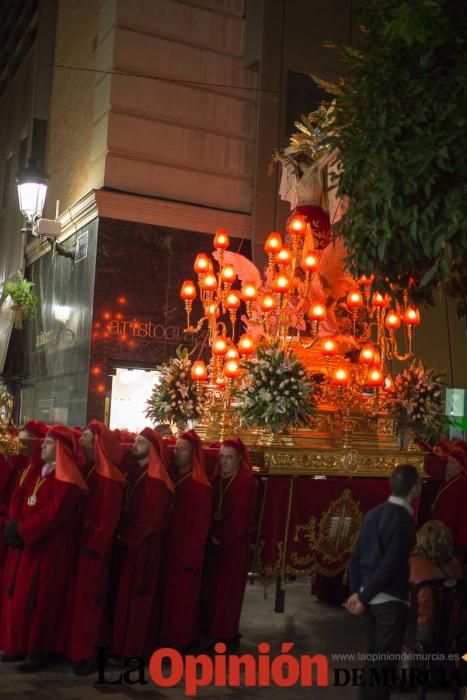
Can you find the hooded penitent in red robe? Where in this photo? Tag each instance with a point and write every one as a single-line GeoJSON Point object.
{"type": "Point", "coordinates": [147, 503]}
{"type": "Point", "coordinates": [227, 562]}
{"type": "Point", "coordinates": [38, 578]}
{"type": "Point", "coordinates": [99, 519]}
{"type": "Point", "coordinates": [12, 472]}
{"type": "Point", "coordinates": [185, 545]}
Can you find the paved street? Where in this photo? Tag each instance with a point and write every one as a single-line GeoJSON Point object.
{"type": "Point", "coordinates": [314, 627]}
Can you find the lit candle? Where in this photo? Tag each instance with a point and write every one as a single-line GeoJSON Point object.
{"type": "Point", "coordinates": [393, 321]}
{"type": "Point", "coordinates": [232, 353]}
{"type": "Point", "coordinates": [340, 377]}
{"type": "Point", "coordinates": [221, 240]}
{"type": "Point", "coordinates": [297, 225]}
{"type": "Point", "coordinates": [188, 291]}
{"type": "Point", "coordinates": [212, 309]}
{"type": "Point", "coordinates": [268, 303]}
{"type": "Point", "coordinates": [317, 312]}
{"type": "Point", "coordinates": [219, 346]}
{"type": "Point", "coordinates": [354, 300]}
{"type": "Point", "coordinates": [329, 347]}
{"type": "Point", "coordinates": [249, 292]}
{"type": "Point", "coordinates": [245, 344]}
{"type": "Point", "coordinates": [389, 384]}
{"type": "Point", "coordinates": [232, 369]}
{"type": "Point", "coordinates": [310, 262]}
{"type": "Point", "coordinates": [283, 257]}
{"type": "Point", "coordinates": [367, 354]}
{"type": "Point", "coordinates": [228, 274]}
{"type": "Point", "coordinates": [273, 243]}
{"type": "Point", "coordinates": [412, 316]}
{"type": "Point", "coordinates": [209, 283]}
{"type": "Point", "coordinates": [375, 377]}
{"type": "Point", "coordinates": [202, 264]}
{"type": "Point", "coordinates": [233, 301]}
{"type": "Point", "coordinates": [378, 301]}
{"type": "Point", "coordinates": [281, 284]}
{"type": "Point", "coordinates": [199, 372]}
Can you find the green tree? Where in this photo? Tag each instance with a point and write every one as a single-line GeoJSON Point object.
{"type": "Point", "coordinates": [401, 130]}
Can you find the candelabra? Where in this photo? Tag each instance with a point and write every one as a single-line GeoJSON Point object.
{"type": "Point", "coordinates": [283, 309]}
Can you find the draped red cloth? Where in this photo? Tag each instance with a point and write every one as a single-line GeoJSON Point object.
{"type": "Point", "coordinates": [183, 562]}
{"type": "Point", "coordinates": [227, 562]}
{"type": "Point", "coordinates": [38, 579]}
{"type": "Point", "coordinates": [99, 520]}
{"type": "Point", "coordinates": [309, 526]}
{"type": "Point", "coordinates": [147, 504]}
{"type": "Point", "coordinates": [450, 506]}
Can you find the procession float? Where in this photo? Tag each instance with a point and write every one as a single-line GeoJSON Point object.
{"type": "Point", "coordinates": [301, 360]}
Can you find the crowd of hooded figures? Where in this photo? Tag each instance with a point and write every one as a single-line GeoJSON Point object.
{"type": "Point", "coordinates": [132, 546]}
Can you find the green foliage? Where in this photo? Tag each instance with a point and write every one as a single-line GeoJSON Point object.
{"type": "Point", "coordinates": [400, 125]}
{"type": "Point", "coordinates": [174, 399]}
{"type": "Point", "coordinates": [21, 294]}
{"type": "Point", "coordinates": [277, 393]}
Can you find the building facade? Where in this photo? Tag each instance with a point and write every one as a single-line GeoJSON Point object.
{"type": "Point", "coordinates": [157, 121]}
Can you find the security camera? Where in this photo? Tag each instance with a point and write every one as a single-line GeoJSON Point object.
{"type": "Point", "coordinates": [47, 228]}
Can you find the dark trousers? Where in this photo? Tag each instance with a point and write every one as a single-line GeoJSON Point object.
{"type": "Point", "coordinates": [385, 627]}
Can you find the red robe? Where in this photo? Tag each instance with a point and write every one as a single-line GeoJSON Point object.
{"type": "Point", "coordinates": [185, 545]}
{"type": "Point", "coordinates": [450, 506]}
{"type": "Point", "coordinates": [227, 563]}
{"type": "Point", "coordinates": [37, 587]}
{"type": "Point", "coordinates": [10, 470]}
{"type": "Point", "coordinates": [144, 519]}
{"type": "Point", "coordinates": [99, 519]}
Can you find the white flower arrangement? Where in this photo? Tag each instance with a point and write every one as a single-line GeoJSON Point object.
{"type": "Point", "coordinates": [419, 401]}
{"type": "Point", "coordinates": [174, 399]}
{"type": "Point", "coordinates": [277, 393]}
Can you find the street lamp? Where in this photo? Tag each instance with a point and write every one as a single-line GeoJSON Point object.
{"type": "Point", "coordinates": [32, 191]}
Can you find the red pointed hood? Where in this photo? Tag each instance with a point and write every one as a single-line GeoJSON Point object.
{"type": "Point", "coordinates": [241, 448]}
{"type": "Point", "coordinates": [198, 461]}
{"type": "Point", "coordinates": [158, 458]}
{"type": "Point", "coordinates": [108, 451]}
{"type": "Point", "coordinates": [36, 428]}
{"type": "Point", "coordinates": [69, 456]}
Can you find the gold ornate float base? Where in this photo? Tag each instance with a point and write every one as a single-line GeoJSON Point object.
{"type": "Point", "coordinates": [299, 461]}
{"type": "Point", "coordinates": [357, 444]}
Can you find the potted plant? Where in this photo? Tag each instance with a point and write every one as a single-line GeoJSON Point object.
{"type": "Point", "coordinates": [174, 399]}
{"type": "Point", "coordinates": [277, 394]}
{"type": "Point", "coordinates": [23, 300]}
{"type": "Point", "coordinates": [419, 403]}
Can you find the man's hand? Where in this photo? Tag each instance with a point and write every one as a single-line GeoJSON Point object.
{"type": "Point", "coordinates": [354, 605]}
